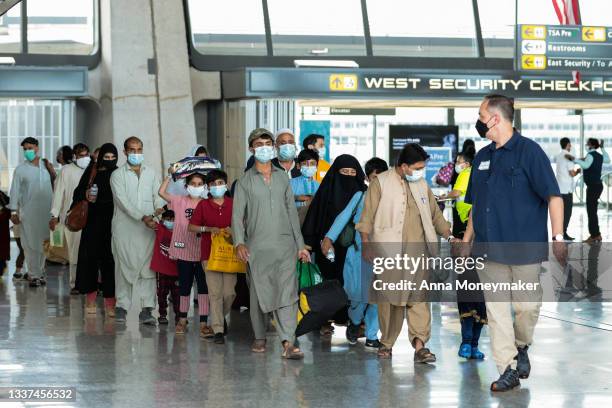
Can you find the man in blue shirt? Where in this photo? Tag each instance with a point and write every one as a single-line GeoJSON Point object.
{"type": "Point", "coordinates": [511, 189]}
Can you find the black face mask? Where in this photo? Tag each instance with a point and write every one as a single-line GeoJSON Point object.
{"type": "Point", "coordinates": [109, 164]}
{"type": "Point", "coordinates": [482, 128]}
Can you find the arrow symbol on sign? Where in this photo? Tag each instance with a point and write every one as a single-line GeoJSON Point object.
{"type": "Point", "coordinates": [528, 62]}
{"type": "Point", "coordinates": [588, 33]}
{"type": "Point", "coordinates": [529, 31]}
{"type": "Point", "coordinates": [337, 82]}
{"type": "Point", "coordinates": [528, 46]}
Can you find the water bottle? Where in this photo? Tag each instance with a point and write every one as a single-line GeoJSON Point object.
{"type": "Point", "coordinates": [93, 192]}
{"type": "Point", "coordinates": [331, 255]}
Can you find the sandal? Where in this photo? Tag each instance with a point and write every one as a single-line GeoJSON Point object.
{"type": "Point", "coordinates": [424, 356]}
{"type": "Point", "coordinates": [292, 352]}
{"type": "Point", "coordinates": [181, 327]}
{"type": "Point", "coordinates": [206, 332]}
{"type": "Point", "coordinates": [384, 352]}
{"type": "Point", "coordinates": [258, 346]}
{"type": "Point", "coordinates": [326, 330]}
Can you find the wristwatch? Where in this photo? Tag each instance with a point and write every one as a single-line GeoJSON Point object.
{"type": "Point", "coordinates": [558, 237]}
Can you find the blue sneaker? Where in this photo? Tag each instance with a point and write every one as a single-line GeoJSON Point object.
{"type": "Point", "coordinates": [477, 354]}
{"type": "Point", "coordinates": [465, 351]}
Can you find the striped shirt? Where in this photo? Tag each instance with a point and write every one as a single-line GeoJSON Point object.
{"type": "Point", "coordinates": [185, 245]}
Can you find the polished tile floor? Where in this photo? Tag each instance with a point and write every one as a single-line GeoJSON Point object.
{"type": "Point", "coordinates": [45, 341]}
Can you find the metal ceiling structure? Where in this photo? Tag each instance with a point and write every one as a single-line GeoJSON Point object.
{"type": "Point", "coordinates": [6, 5]}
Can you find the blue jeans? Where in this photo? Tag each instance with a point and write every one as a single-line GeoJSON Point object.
{"type": "Point", "coordinates": [470, 331]}
{"type": "Point", "coordinates": [361, 311]}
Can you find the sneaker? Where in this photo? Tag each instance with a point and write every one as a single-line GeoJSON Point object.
{"type": "Point", "coordinates": [352, 333]}
{"type": "Point", "coordinates": [373, 344]}
{"type": "Point", "coordinates": [145, 317]}
{"type": "Point", "coordinates": [162, 320]}
{"type": "Point", "coordinates": [507, 381]}
{"type": "Point", "coordinates": [17, 275]}
{"type": "Point", "coordinates": [120, 315]}
{"type": "Point", "coordinates": [523, 366]}
{"type": "Point", "coordinates": [218, 339]}
{"type": "Point", "coordinates": [465, 351]}
{"type": "Point", "coordinates": [34, 283]}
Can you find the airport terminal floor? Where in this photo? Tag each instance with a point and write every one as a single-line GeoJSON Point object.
{"type": "Point", "coordinates": [45, 341]}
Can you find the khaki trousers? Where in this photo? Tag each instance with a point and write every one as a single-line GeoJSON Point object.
{"type": "Point", "coordinates": [220, 296]}
{"type": "Point", "coordinates": [506, 334]}
{"type": "Point", "coordinates": [391, 319]}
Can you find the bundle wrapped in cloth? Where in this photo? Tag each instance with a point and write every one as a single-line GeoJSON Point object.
{"type": "Point", "coordinates": [189, 165]}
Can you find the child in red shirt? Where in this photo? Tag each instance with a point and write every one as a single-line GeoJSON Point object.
{"type": "Point", "coordinates": [213, 216]}
{"type": "Point", "coordinates": [167, 272]}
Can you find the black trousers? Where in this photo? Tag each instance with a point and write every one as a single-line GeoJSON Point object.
{"type": "Point", "coordinates": [593, 192]}
{"type": "Point", "coordinates": [568, 203]}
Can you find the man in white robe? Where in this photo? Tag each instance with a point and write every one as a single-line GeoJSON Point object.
{"type": "Point", "coordinates": [30, 204]}
{"type": "Point", "coordinates": [65, 184]}
{"type": "Point", "coordinates": [135, 188]}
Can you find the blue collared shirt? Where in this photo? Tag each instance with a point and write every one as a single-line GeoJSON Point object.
{"type": "Point", "coordinates": [509, 190]}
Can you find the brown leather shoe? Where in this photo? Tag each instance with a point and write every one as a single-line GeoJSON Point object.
{"type": "Point", "coordinates": [592, 239]}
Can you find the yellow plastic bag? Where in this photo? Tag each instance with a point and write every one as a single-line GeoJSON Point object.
{"type": "Point", "coordinates": [223, 256]}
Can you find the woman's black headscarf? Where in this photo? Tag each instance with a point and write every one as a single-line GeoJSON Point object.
{"type": "Point", "coordinates": [333, 195]}
{"type": "Point", "coordinates": [103, 177]}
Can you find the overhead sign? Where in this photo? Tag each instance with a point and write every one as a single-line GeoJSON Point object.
{"type": "Point", "coordinates": [564, 48]}
{"type": "Point", "coordinates": [413, 84]}
{"type": "Point", "coordinates": [326, 110]}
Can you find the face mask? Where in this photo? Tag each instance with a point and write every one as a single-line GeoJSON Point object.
{"type": "Point", "coordinates": [195, 192]}
{"type": "Point", "coordinates": [135, 159]}
{"type": "Point", "coordinates": [482, 128]}
{"type": "Point", "coordinates": [459, 168]}
{"type": "Point", "coordinates": [286, 152]}
{"type": "Point", "coordinates": [83, 162]}
{"type": "Point", "coordinates": [109, 164]}
{"type": "Point", "coordinates": [29, 155]}
{"type": "Point", "coordinates": [322, 152]}
{"type": "Point", "coordinates": [415, 176]}
{"type": "Point", "coordinates": [168, 224]}
{"type": "Point", "coordinates": [264, 154]}
{"type": "Point", "coordinates": [308, 171]}
{"type": "Point", "coordinates": [218, 191]}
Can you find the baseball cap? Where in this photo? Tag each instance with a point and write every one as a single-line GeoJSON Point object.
{"type": "Point", "coordinates": [258, 133]}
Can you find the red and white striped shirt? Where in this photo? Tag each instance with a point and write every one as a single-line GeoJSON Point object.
{"type": "Point", "coordinates": [185, 245]}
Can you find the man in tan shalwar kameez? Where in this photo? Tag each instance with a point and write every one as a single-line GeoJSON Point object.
{"type": "Point", "coordinates": [401, 215]}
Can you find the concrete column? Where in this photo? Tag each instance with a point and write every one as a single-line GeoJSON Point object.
{"type": "Point", "coordinates": [144, 81]}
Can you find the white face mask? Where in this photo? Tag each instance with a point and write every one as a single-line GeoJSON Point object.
{"type": "Point", "coordinates": [416, 175]}
{"type": "Point", "coordinates": [459, 168]}
{"type": "Point", "coordinates": [83, 162]}
{"type": "Point", "coordinates": [195, 192]}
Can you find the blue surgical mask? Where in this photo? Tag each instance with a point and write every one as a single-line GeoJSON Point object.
{"type": "Point", "coordinates": [415, 176]}
{"type": "Point", "coordinates": [264, 154]}
{"type": "Point", "coordinates": [218, 191]}
{"type": "Point", "coordinates": [135, 159]}
{"type": "Point", "coordinates": [308, 171]}
{"type": "Point", "coordinates": [168, 224]}
{"type": "Point", "coordinates": [29, 155]}
{"type": "Point", "coordinates": [286, 152]}
{"type": "Point", "coordinates": [322, 152]}
{"type": "Point", "coordinates": [195, 192]}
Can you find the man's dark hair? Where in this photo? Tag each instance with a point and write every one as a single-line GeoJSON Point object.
{"type": "Point", "coordinates": [412, 153]}
{"type": "Point", "coordinates": [375, 164]}
{"type": "Point", "coordinates": [215, 175]}
{"type": "Point", "coordinates": [195, 175]}
{"type": "Point", "coordinates": [564, 142]}
{"type": "Point", "coordinates": [168, 214]}
{"type": "Point", "coordinates": [503, 104]}
{"type": "Point", "coordinates": [311, 139]}
{"type": "Point", "coordinates": [307, 154]}
{"type": "Point", "coordinates": [29, 140]}
{"type": "Point", "coordinates": [131, 139]}
{"type": "Point", "coordinates": [594, 143]}
{"type": "Point", "coordinates": [80, 147]}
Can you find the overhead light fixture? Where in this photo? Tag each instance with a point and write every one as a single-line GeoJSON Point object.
{"type": "Point", "coordinates": [7, 61]}
{"type": "Point", "coordinates": [325, 63]}
{"type": "Point", "coordinates": [320, 51]}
